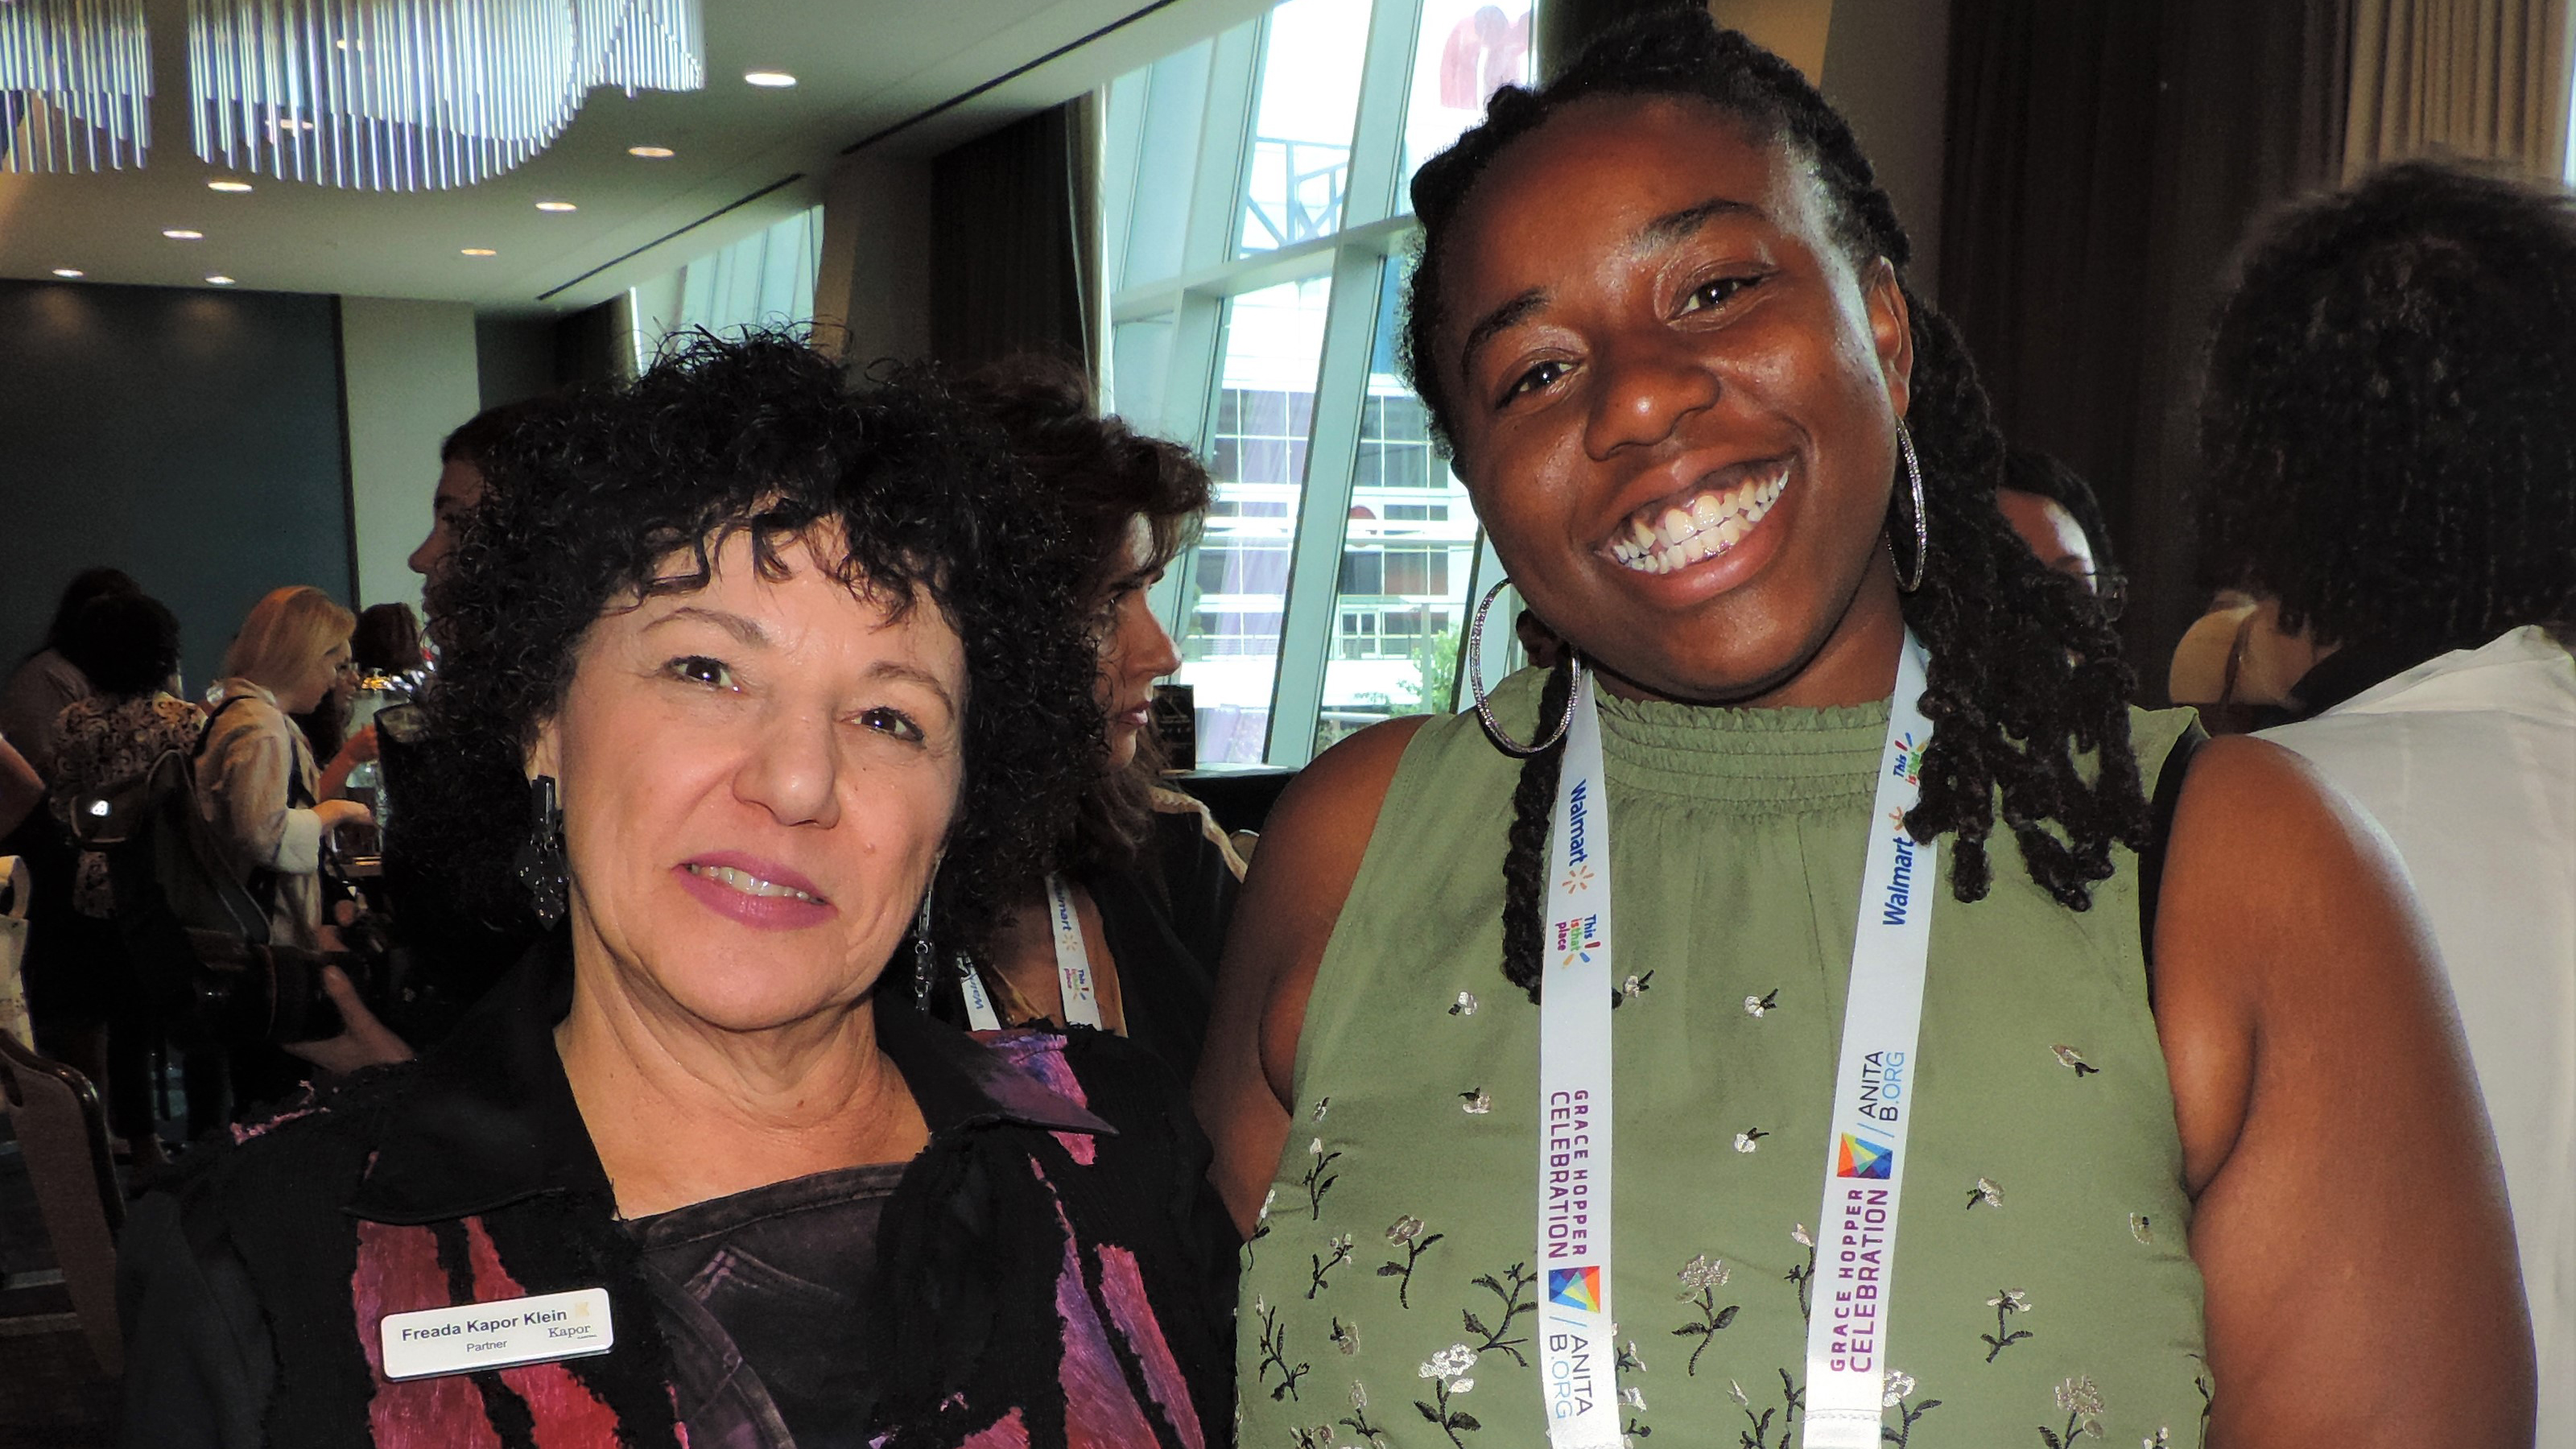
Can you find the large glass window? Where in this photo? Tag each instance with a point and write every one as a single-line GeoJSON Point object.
{"type": "Point", "coordinates": [1301, 137]}
{"type": "Point", "coordinates": [1254, 217]}
{"type": "Point", "coordinates": [1238, 581]}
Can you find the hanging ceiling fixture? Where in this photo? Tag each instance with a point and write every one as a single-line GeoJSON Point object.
{"type": "Point", "coordinates": [417, 95]}
{"type": "Point", "coordinates": [75, 85]}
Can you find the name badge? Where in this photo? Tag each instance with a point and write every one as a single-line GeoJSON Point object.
{"type": "Point", "coordinates": [497, 1335]}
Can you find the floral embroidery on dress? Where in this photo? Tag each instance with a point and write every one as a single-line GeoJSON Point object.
{"type": "Point", "coordinates": [1340, 1249]}
{"type": "Point", "coordinates": [1260, 1225]}
{"type": "Point", "coordinates": [1465, 1005]}
{"type": "Point", "coordinates": [1406, 1233]}
{"type": "Point", "coordinates": [2161, 1439]}
{"type": "Point", "coordinates": [1749, 1139]}
{"type": "Point", "coordinates": [1802, 1276]}
{"type": "Point", "coordinates": [1447, 1371]}
{"type": "Point", "coordinates": [2068, 1056]}
{"type": "Point", "coordinates": [2082, 1403]}
{"type": "Point", "coordinates": [1322, 1105]}
{"type": "Point", "coordinates": [1497, 1339]}
{"type": "Point", "coordinates": [1346, 1336]}
{"type": "Point", "coordinates": [1758, 1434]}
{"type": "Point", "coordinates": [1892, 1395]}
{"type": "Point", "coordinates": [1986, 1192]}
{"type": "Point", "coordinates": [1474, 1102]}
{"type": "Point", "coordinates": [1274, 1353]}
{"type": "Point", "coordinates": [1701, 1278]}
{"type": "Point", "coordinates": [1358, 1423]}
{"type": "Point", "coordinates": [2142, 1228]}
{"type": "Point", "coordinates": [1319, 1177]}
{"type": "Point", "coordinates": [1630, 989]}
{"type": "Point", "coordinates": [2005, 1303]}
{"type": "Point", "coordinates": [1756, 1006]}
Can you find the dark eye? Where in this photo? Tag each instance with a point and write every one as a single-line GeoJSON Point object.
{"type": "Point", "coordinates": [699, 669]}
{"type": "Point", "coordinates": [1536, 378]}
{"type": "Point", "coordinates": [1712, 294]}
{"type": "Point", "coordinates": [892, 722]}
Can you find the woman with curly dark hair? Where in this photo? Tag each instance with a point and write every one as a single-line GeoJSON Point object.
{"type": "Point", "coordinates": [755, 688]}
{"type": "Point", "coordinates": [2390, 434]}
{"type": "Point", "coordinates": [1125, 933]}
{"type": "Point", "coordinates": [1660, 315]}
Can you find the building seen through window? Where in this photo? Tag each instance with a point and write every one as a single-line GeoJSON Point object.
{"type": "Point", "coordinates": [1331, 586]}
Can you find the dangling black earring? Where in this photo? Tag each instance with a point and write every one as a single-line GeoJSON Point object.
{"type": "Point", "coordinates": [540, 861]}
{"type": "Point", "coordinates": [925, 969]}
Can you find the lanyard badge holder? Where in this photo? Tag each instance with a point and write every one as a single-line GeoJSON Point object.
{"type": "Point", "coordinates": [1865, 1144]}
{"type": "Point", "coordinates": [1072, 968]}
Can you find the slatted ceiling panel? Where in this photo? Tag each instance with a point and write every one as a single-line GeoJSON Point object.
{"type": "Point", "coordinates": [75, 85]}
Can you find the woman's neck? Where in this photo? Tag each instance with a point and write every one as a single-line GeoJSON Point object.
{"type": "Point", "coordinates": [681, 1111]}
{"type": "Point", "coordinates": [1854, 664]}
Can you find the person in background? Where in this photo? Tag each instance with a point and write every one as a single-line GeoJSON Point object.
{"type": "Point", "coordinates": [2054, 510]}
{"type": "Point", "coordinates": [21, 788]}
{"type": "Point", "coordinates": [1149, 878]}
{"type": "Point", "coordinates": [755, 673]}
{"type": "Point", "coordinates": [257, 779]}
{"type": "Point", "coordinates": [461, 470]}
{"type": "Point", "coordinates": [128, 647]}
{"type": "Point", "coordinates": [2193, 1152]}
{"type": "Point", "coordinates": [2389, 448]}
{"type": "Point", "coordinates": [387, 642]}
{"type": "Point", "coordinates": [45, 681]}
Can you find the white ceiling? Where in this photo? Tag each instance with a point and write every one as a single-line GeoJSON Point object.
{"type": "Point", "coordinates": [861, 65]}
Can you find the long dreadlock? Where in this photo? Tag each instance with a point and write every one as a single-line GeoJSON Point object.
{"type": "Point", "coordinates": [2026, 692]}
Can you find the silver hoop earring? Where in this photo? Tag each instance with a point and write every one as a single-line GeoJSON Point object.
{"type": "Point", "coordinates": [1485, 707]}
{"type": "Point", "coordinates": [1910, 580]}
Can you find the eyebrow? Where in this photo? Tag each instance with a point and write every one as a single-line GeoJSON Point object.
{"type": "Point", "coordinates": [897, 669]}
{"type": "Point", "coordinates": [1673, 226]}
{"type": "Point", "coordinates": [744, 629]}
{"type": "Point", "coordinates": [1509, 314]}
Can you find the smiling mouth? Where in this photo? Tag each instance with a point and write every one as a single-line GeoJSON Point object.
{"type": "Point", "coordinates": [1671, 534]}
{"type": "Point", "coordinates": [749, 884]}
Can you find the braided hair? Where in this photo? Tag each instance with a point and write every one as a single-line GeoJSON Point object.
{"type": "Point", "coordinates": [2026, 691]}
{"type": "Point", "coordinates": [2389, 422]}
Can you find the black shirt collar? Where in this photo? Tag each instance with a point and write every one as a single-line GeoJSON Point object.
{"type": "Point", "coordinates": [489, 1118]}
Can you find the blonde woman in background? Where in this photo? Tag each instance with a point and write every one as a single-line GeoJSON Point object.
{"type": "Point", "coordinates": [256, 779]}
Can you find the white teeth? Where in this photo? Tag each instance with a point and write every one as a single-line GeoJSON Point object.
{"type": "Point", "coordinates": [1713, 522]}
{"type": "Point", "coordinates": [746, 882]}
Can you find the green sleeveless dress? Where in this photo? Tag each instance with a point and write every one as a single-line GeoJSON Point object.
{"type": "Point", "coordinates": [2042, 1291]}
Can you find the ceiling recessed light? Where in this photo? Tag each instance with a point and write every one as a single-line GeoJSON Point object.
{"type": "Point", "coordinates": [230, 187]}
{"type": "Point", "coordinates": [72, 273]}
{"type": "Point", "coordinates": [775, 79]}
{"type": "Point", "coordinates": [219, 280]}
{"type": "Point", "coordinates": [181, 233]}
{"type": "Point", "coordinates": [478, 252]}
{"type": "Point", "coordinates": [652, 153]}
{"type": "Point", "coordinates": [556, 206]}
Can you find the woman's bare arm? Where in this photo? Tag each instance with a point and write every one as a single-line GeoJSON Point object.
{"type": "Point", "coordinates": [1310, 853]}
{"type": "Point", "coordinates": [2351, 1224]}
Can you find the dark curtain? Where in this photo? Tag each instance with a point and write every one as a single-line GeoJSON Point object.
{"type": "Point", "coordinates": [1014, 242]}
{"type": "Point", "coordinates": [2103, 163]}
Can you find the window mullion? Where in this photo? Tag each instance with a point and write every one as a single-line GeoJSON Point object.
{"type": "Point", "coordinates": [1377, 137]}
{"type": "Point", "coordinates": [1314, 579]}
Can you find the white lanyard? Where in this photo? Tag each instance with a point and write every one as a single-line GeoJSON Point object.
{"type": "Point", "coordinates": [1864, 1150]}
{"type": "Point", "coordinates": [1072, 961]}
{"type": "Point", "coordinates": [1575, 1324]}
{"type": "Point", "coordinates": [1072, 968]}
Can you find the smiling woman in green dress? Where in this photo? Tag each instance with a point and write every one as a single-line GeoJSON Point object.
{"type": "Point", "coordinates": [2196, 1155]}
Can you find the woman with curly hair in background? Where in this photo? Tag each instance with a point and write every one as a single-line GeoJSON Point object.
{"type": "Point", "coordinates": [2171, 1104]}
{"type": "Point", "coordinates": [1134, 913]}
{"type": "Point", "coordinates": [2389, 429]}
{"type": "Point", "coordinates": [756, 690]}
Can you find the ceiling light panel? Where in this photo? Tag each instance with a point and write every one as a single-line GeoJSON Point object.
{"type": "Point", "coordinates": [181, 233]}
{"type": "Point", "coordinates": [770, 79]}
{"type": "Point", "coordinates": [75, 85]}
{"type": "Point", "coordinates": [415, 95]}
{"type": "Point", "coordinates": [652, 153]}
